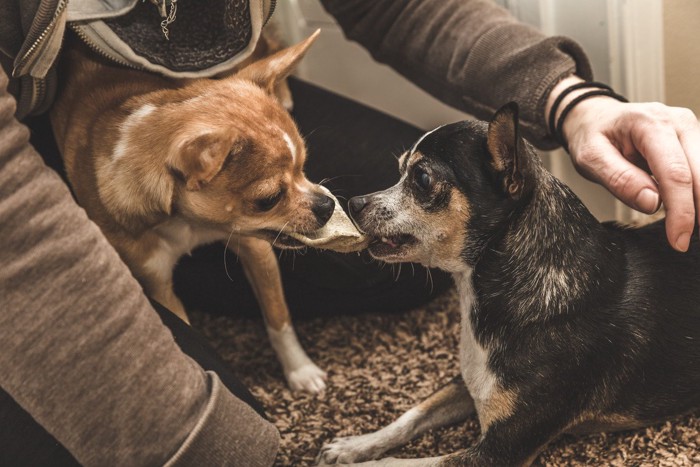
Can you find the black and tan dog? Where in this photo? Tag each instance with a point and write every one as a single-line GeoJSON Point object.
{"type": "Point", "coordinates": [568, 325]}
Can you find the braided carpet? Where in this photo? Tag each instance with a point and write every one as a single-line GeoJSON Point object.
{"type": "Point", "coordinates": [380, 365]}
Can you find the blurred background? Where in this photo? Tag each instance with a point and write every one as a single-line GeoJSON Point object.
{"type": "Point", "coordinates": [646, 49]}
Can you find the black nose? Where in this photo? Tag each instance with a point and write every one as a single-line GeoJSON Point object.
{"type": "Point", "coordinates": [323, 208]}
{"type": "Point", "coordinates": [357, 204]}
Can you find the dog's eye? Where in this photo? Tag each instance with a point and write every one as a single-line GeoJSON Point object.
{"type": "Point", "coordinates": [265, 204]}
{"type": "Point", "coordinates": [422, 179]}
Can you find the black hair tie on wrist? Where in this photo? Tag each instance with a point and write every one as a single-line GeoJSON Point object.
{"type": "Point", "coordinates": [600, 89]}
{"type": "Point", "coordinates": [566, 92]}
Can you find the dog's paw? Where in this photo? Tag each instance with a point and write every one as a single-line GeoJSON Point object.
{"type": "Point", "coordinates": [349, 450]}
{"type": "Point", "coordinates": [307, 377]}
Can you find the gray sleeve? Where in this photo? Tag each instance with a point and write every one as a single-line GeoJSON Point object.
{"type": "Point", "coordinates": [471, 54]}
{"type": "Point", "coordinates": [82, 350]}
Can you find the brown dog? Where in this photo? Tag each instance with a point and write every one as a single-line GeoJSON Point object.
{"type": "Point", "coordinates": [164, 166]}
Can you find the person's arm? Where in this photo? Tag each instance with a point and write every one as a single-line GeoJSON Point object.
{"type": "Point", "coordinates": [471, 54]}
{"type": "Point", "coordinates": [475, 56]}
{"type": "Point", "coordinates": [620, 145]}
{"type": "Point", "coordinates": [82, 350]}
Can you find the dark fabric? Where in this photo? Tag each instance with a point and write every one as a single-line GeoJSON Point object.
{"type": "Point", "coordinates": [197, 347]}
{"type": "Point", "coordinates": [354, 148]}
{"type": "Point", "coordinates": [205, 33]}
{"type": "Point", "coordinates": [25, 443]}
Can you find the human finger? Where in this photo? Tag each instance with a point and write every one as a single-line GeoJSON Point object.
{"type": "Point", "coordinates": [689, 136]}
{"type": "Point", "coordinates": [601, 162]}
{"type": "Point", "coordinates": [668, 162]}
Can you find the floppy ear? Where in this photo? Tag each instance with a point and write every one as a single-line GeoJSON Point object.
{"type": "Point", "coordinates": [198, 158]}
{"type": "Point", "coordinates": [269, 71]}
{"type": "Point", "coordinates": [507, 150]}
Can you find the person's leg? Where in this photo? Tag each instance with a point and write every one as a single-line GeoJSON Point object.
{"type": "Point", "coordinates": [352, 149]}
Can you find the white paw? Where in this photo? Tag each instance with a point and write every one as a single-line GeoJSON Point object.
{"type": "Point", "coordinates": [349, 450]}
{"type": "Point", "coordinates": [307, 377]}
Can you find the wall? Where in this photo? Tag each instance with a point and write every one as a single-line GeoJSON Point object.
{"type": "Point", "coordinates": [348, 69]}
{"type": "Point", "coordinates": [682, 53]}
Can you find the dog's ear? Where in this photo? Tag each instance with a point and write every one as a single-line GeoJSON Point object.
{"type": "Point", "coordinates": [269, 71]}
{"type": "Point", "coordinates": [507, 149]}
{"type": "Point", "coordinates": [199, 156]}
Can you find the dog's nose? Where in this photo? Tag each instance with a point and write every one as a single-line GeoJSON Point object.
{"type": "Point", "coordinates": [357, 204]}
{"type": "Point", "coordinates": [323, 208]}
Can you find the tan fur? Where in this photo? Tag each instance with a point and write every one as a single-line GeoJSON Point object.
{"type": "Point", "coordinates": [449, 222]}
{"type": "Point", "coordinates": [589, 422]}
{"type": "Point", "coordinates": [164, 166]}
{"type": "Point", "coordinates": [453, 399]}
{"type": "Point", "coordinates": [499, 406]}
{"type": "Point", "coordinates": [450, 225]}
{"type": "Point", "coordinates": [268, 44]}
{"type": "Point", "coordinates": [447, 225]}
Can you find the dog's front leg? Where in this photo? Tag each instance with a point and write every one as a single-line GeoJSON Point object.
{"type": "Point", "coordinates": [448, 405]}
{"type": "Point", "coordinates": [261, 267]}
{"type": "Point", "coordinates": [515, 440]}
{"type": "Point", "coordinates": [514, 437]}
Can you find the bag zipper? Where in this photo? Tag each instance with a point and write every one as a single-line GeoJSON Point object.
{"type": "Point", "coordinates": [273, 4]}
{"type": "Point", "coordinates": [39, 93]}
{"type": "Point", "coordinates": [98, 50]}
{"type": "Point", "coordinates": [21, 65]}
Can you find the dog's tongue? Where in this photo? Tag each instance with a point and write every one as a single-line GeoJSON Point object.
{"type": "Point", "coordinates": [339, 233]}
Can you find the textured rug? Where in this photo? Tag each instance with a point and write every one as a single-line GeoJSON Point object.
{"type": "Point", "coordinates": [380, 365]}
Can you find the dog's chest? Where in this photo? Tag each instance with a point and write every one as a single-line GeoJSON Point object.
{"type": "Point", "coordinates": [477, 375]}
{"type": "Point", "coordinates": [177, 237]}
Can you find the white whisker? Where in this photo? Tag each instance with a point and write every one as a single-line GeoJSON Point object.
{"type": "Point", "coordinates": [226, 250]}
{"type": "Point", "coordinates": [429, 276]}
{"type": "Point", "coordinates": [330, 179]}
{"type": "Point", "coordinates": [280, 232]}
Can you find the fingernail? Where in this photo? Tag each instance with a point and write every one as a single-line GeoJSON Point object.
{"type": "Point", "coordinates": [683, 242]}
{"type": "Point", "coordinates": [648, 200]}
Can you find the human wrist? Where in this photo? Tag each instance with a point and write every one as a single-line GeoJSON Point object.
{"type": "Point", "coordinates": [567, 102]}
{"type": "Point", "coordinates": [560, 87]}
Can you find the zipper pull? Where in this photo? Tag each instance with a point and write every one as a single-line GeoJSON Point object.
{"type": "Point", "coordinates": [169, 17]}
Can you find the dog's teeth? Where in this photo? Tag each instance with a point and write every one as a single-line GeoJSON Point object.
{"type": "Point", "coordinates": [388, 242]}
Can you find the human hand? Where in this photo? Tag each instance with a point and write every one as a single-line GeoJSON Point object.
{"type": "Point", "coordinates": [620, 144]}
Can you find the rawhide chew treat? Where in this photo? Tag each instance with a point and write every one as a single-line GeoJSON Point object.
{"type": "Point", "coordinates": [339, 233]}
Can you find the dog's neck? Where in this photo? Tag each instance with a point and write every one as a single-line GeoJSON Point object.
{"type": "Point", "coordinates": [551, 258]}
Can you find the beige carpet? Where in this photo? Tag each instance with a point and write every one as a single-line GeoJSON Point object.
{"type": "Point", "coordinates": [381, 365]}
